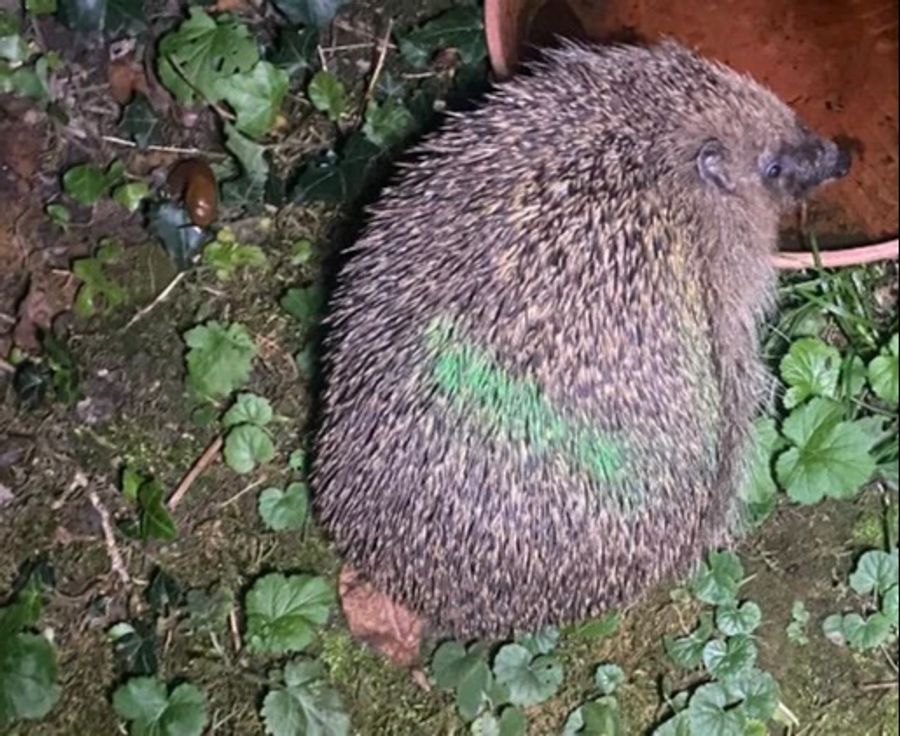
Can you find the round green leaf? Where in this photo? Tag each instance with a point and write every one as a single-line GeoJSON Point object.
{"type": "Point", "coordinates": [734, 620]}
{"type": "Point", "coordinates": [883, 373]}
{"type": "Point", "coordinates": [530, 680]}
{"type": "Point", "coordinates": [875, 572]}
{"type": "Point", "coordinates": [811, 368]}
{"type": "Point", "coordinates": [708, 713]}
{"type": "Point", "coordinates": [248, 409]}
{"type": "Point", "coordinates": [28, 686]}
{"type": "Point", "coordinates": [889, 606]}
{"type": "Point", "coordinates": [608, 677]}
{"type": "Point", "coordinates": [327, 95]}
{"type": "Point", "coordinates": [131, 195]}
{"type": "Point", "coordinates": [85, 183]}
{"type": "Point", "coordinates": [246, 446]}
{"type": "Point", "coordinates": [866, 633]}
{"type": "Point", "coordinates": [284, 510]}
{"type": "Point", "coordinates": [283, 613]}
{"type": "Point", "coordinates": [758, 692]}
{"type": "Point", "coordinates": [829, 457]}
{"type": "Point", "coordinates": [719, 578]}
{"type": "Point", "coordinates": [730, 657]}
{"type": "Point", "coordinates": [144, 702]}
{"type": "Point", "coordinates": [306, 706]}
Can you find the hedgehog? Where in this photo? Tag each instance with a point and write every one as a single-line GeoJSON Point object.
{"type": "Point", "coordinates": [541, 362]}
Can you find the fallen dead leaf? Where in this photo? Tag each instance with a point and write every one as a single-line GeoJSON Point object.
{"type": "Point", "coordinates": [378, 621]}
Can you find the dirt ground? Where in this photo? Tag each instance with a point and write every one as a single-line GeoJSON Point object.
{"type": "Point", "coordinates": [133, 408]}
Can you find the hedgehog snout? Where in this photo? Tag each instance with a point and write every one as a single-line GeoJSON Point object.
{"type": "Point", "coordinates": [834, 161]}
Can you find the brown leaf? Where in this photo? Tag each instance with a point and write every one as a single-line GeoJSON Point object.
{"type": "Point", "coordinates": [125, 76]}
{"type": "Point", "coordinates": [378, 621]}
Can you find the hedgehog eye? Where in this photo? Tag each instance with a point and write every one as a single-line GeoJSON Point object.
{"type": "Point", "coordinates": [773, 170]}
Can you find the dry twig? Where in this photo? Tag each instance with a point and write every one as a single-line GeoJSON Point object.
{"type": "Point", "coordinates": [112, 549]}
{"type": "Point", "coordinates": [209, 454]}
{"type": "Point", "coordinates": [379, 65]}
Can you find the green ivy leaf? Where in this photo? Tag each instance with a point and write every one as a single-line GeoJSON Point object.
{"type": "Point", "coordinates": [219, 358]}
{"type": "Point", "coordinates": [730, 657]}
{"type": "Point", "coordinates": [876, 572]}
{"type": "Point", "coordinates": [246, 447]}
{"type": "Point", "coordinates": [251, 156]}
{"type": "Point", "coordinates": [734, 620]}
{"type": "Point", "coordinates": [295, 50]}
{"type": "Point", "coordinates": [140, 123]}
{"type": "Point", "coordinates": [208, 609]}
{"type": "Point", "coordinates": [203, 50]}
{"type": "Point", "coordinates": [388, 123]}
{"type": "Point", "coordinates": [306, 705]}
{"type": "Point", "coordinates": [687, 651]}
{"type": "Point", "coordinates": [248, 409]}
{"type": "Point", "coordinates": [284, 510]}
{"type": "Point", "coordinates": [134, 647]}
{"type": "Point", "coordinates": [86, 183]}
{"type": "Point", "coordinates": [811, 368]}
{"type": "Point", "coordinates": [719, 578]}
{"type": "Point", "coordinates": [131, 195]}
{"type": "Point", "coordinates": [255, 96]}
{"type": "Point", "coordinates": [530, 679]}
{"type": "Point", "coordinates": [829, 458]}
{"type": "Point", "coordinates": [303, 304]}
{"type": "Point", "coordinates": [28, 686]}
{"type": "Point", "coordinates": [283, 613]}
{"type": "Point", "coordinates": [328, 95]}
{"type": "Point", "coordinates": [884, 372]}
{"type": "Point", "coordinates": [155, 520]}
{"type": "Point", "coordinates": [59, 215]}
{"type": "Point", "coordinates": [153, 712]}
{"type": "Point", "coordinates": [460, 28]}
{"type": "Point", "coordinates": [338, 179]}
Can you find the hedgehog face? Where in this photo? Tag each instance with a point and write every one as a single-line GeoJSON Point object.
{"type": "Point", "coordinates": [781, 169]}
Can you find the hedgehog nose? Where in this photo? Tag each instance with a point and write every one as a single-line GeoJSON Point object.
{"type": "Point", "coordinates": [842, 162]}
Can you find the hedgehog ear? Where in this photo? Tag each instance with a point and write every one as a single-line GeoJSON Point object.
{"type": "Point", "coordinates": [712, 165]}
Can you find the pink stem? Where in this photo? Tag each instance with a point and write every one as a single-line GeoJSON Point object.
{"type": "Point", "coordinates": [885, 251]}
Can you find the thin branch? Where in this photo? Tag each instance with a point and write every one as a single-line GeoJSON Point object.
{"type": "Point", "coordinates": [161, 297]}
{"type": "Point", "coordinates": [160, 149]}
{"type": "Point", "coordinates": [209, 454]}
{"type": "Point", "coordinates": [379, 66]}
{"type": "Point", "coordinates": [885, 251]}
{"type": "Point", "coordinates": [112, 549]}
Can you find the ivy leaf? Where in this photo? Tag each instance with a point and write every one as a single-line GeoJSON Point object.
{"type": "Point", "coordinates": [303, 304]}
{"type": "Point", "coordinates": [246, 447]}
{"type": "Point", "coordinates": [306, 705]}
{"type": "Point", "coordinates": [811, 368]}
{"type": "Point", "coordinates": [758, 489]}
{"type": "Point", "coordinates": [388, 123]}
{"type": "Point", "coordinates": [530, 680]}
{"type": "Point", "coordinates": [719, 578]}
{"type": "Point", "coordinates": [255, 96]}
{"type": "Point", "coordinates": [460, 28]}
{"type": "Point", "coordinates": [164, 592]}
{"type": "Point", "coordinates": [734, 620]}
{"type": "Point", "coordinates": [219, 358]}
{"type": "Point", "coordinates": [829, 457]}
{"type": "Point", "coordinates": [884, 372]}
{"type": "Point", "coordinates": [317, 13]}
{"type": "Point", "coordinates": [201, 52]}
{"type": "Point", "coordinates": [328, 95]}
{"type": "Point", "coordinates": [687, 651]}
{"type": "Point", "coordinates": [140, 123]}
{"type": "Point", "coordinates": [284, 510]}
{"type": "Point", "coordinates": [134, 647]}
{"type": "Point", "coordinates": [153, 712]}
{"type": "Point", "coordinates": [295, 50]}
{"type": "Point", "coordinates": [730, 657]}
{"type": "Point", "coordinates": [338, 179]}
{"type": "Point", "coordinates": [28, 686]}
{"type": "Point", "coordinates": [208, 609]}
{"type": "Point", "coordinates": [131, 195]}
{"type": "Point", "coordinates": [284, 612]}
{"type": "Point", "coordinates": [155, 520]}
{"type": "Point", "coordinates": [86, 183]}
{"type": "Point", "coordinates": [707, 713]}
{"type": "Point", "coordinates": [248, 409]}
{"type": "Point", "coordinates": [251, 156]}
{"type": "Point", "coordinates": [608, 677]}
{"type": "Point", "coordinates": [875, 572]}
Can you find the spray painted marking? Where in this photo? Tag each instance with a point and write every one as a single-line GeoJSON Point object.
{"type": "Point", "coordinates": [516, 409]}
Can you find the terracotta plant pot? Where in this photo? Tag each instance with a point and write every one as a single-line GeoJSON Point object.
{"type": "Point", "coordinates": [840, 75]}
